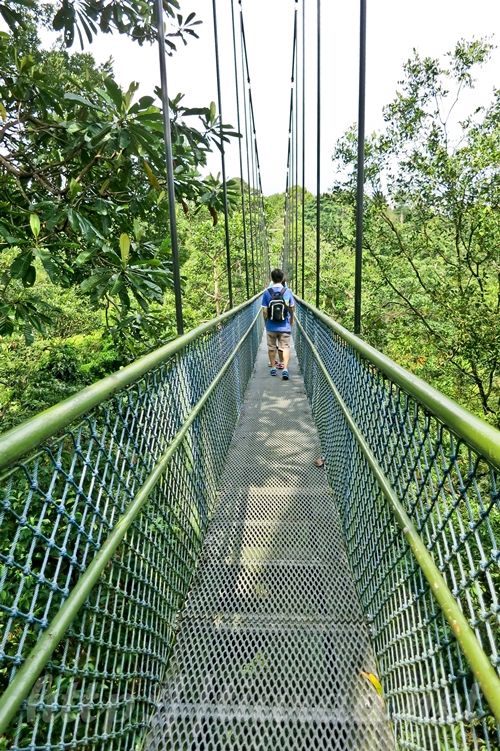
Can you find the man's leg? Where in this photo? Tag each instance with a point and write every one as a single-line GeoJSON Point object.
{"type": "Point", "coordinates": [271, 348]}
{"type": "Point", "coordinates": [284, 349]}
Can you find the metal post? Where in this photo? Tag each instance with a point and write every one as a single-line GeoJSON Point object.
{"type": "Point", "coordinates": [243, 212]}
{"type": "Point", "coordinates": [296, 274]}
{"type": "Point", "coordinates": [361, 169]}
{"type": "Point", "coordinates": [246, 78]}
{"type": "Point", "coordinates": [167, 136]}
{"type": "Point", "coordinates": [318, 153]}
{"type": "Point", "coordinates": [303, 139]}
{"type": "Point", "coordinates": [223, 159]}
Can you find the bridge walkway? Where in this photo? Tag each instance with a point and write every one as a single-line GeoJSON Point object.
{"type": "Point", "coordinates": [272, 644]}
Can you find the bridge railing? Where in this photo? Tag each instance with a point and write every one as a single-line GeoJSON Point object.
{"type": "Point", "coordinates": [104, 500]}
{"type": "Point", "coordinates": [417, 482]}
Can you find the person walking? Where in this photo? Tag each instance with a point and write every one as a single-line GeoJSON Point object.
{"type": "Point", "coordinates": [278, 308]}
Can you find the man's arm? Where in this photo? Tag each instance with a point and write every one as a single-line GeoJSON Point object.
{"type": "Point", "coordinates": [291, 307]}
{"type": "Point", "coordinates": [265, 303]}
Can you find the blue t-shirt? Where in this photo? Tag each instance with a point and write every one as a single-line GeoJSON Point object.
{"type": "Point", "coordinates": [283, 326]}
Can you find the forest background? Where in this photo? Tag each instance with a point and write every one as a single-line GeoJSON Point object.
{"type": "Point", "coordinates": [85, 262]}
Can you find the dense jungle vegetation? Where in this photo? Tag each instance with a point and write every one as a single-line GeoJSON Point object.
{"type": "Point", "coordinates": [85, 271]}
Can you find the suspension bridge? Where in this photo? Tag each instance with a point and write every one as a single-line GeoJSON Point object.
{"type": "Point", "coordinates": [197, 556]}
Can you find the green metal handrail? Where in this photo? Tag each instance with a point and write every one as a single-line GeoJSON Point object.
{"type": "Point", "coordinates": [415, 477]}
{"type": "Point", "coordinates": [105, 498]}
{"type": "Point", "coordinates": [35, 662]}
{"type": "Point", "coordinates": [476, 432]}
{"type": "Point", "coordinates": [19, 440]}
{"type": "Point", "coordinates": [476, 657]}
{"type": "Point", "coordinates": [136, 456]}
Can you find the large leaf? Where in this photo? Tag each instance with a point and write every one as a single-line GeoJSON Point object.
{"type": "Point", "coordinates": [114, 92]}
{"type": "Point", "coordinates": [71, 97]}
{"type": "Point", "coordinates": [35, 225]}
{"type": "Point", "coordinates": [151, 176]}
{"type": "Point", "coordinates": [124, 248]}
{"type": "Point", "coordinates": [20, 267]}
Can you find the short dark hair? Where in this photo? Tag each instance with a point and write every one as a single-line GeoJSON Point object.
{"type": "Point", "coordinates": [277, 275]}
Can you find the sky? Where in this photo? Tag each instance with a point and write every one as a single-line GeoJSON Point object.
{"type": "Point", "coordinates": [394, 28]}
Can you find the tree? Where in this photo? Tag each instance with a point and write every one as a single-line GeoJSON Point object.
{"type": "Point", "coordinates": [204, 267]}
{"type": "Point", "coordinates": [431, 234]}
{"type": "Point", "coordinates": [86, 18]}
{"type": "Point", "coordinates": [82, 182]}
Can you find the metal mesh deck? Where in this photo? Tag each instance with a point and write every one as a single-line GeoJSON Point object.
{"type": "Point", "coordinates": [272, 642]}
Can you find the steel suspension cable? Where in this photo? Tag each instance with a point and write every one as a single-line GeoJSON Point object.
{"type": "Point", "coordinates": [318, 150]}
{"type": "Point", "coordinates": [240, 152]}
{"type": "Point", "coordinates": [292, 194]}
{"type": "Point", "coordinates": [167, 138]}
{"type": "Point", "coordinates": [296, 272]}
{"type": "Point", "coordinates": [267, 269]}
{"type": "Point", "coordinates": [284, 260]}
{"type": "Point", "coordinates": [286, 246]}
{"type": "Point", "coordinates": [254, 180]}
{"type": "Point", "coordinates": [259, 205]}
{"type": "Point", "coordinates": [223, 157]}
{"type": "Point", "coordinates": [245, 112]}
{"type": "Point", "coordinates": [258, 182]}
{"type": "Point", "coordinates": [294, 178]}
{"type": "Point", "coordinates": [252, 191]}
{"type": "Point", "coordinates": [260, 218]}
{"type": "Point", "coordinates": [289, 176]}
{"type": "Point", "coordinates": [360, 178]}
{"type": "Point", "coordinates": [303, 140]}
{"type": "Point", "coordinates": [291, 157]}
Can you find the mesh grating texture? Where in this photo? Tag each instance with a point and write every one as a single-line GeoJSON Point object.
{"type": "Point", "coordinates": [451, 494]}
{"type": "Point", "coordinates": [272, 642]}
{"type": "Point", "coordinates": [58, 506]}
{"type": "Point", "coordinates": [303, 582]}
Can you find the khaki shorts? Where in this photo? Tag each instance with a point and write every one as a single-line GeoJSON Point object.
{"type": "Point", "coordinates": [278, 339]}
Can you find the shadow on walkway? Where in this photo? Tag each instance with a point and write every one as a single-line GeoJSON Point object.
{"type": "Point", "coordinates": [272, 641]}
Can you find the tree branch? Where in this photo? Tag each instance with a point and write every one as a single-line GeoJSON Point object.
{"type": "Point", "coordinates": [389, 221]}
{"type": "Point", "coordinates": [398, 292]}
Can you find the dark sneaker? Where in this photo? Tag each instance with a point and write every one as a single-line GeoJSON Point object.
{"type": "Point", "coordinates": [285, 375]}
{"type": "Point", "coordinates": [273, 372]}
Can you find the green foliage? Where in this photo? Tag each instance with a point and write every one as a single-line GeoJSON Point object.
{"type": "Point", "coordinates": [431, 268]}
{"type": "Point", "coordinates": [73, 350]}
{"type": "Point", "coordinates": [83, 168]}
{"type": "Point", "coordinates": [33, 377]}
{"type": "Point", "coordinates": [36, 374]}
{"type": "Point", "coordinates": [86, 18]}
{"type": "Point", "coordinates": [204, 270]}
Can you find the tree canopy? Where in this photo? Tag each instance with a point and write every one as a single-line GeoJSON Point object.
{"type": "Point", "coordinates": [83, 19]}
{"type": "Point", "coordinates": [431, 238]}
{"type": "Point", "coordinates": [83, 179]}
{"type": "Point", "coordinates": [83, 210]}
